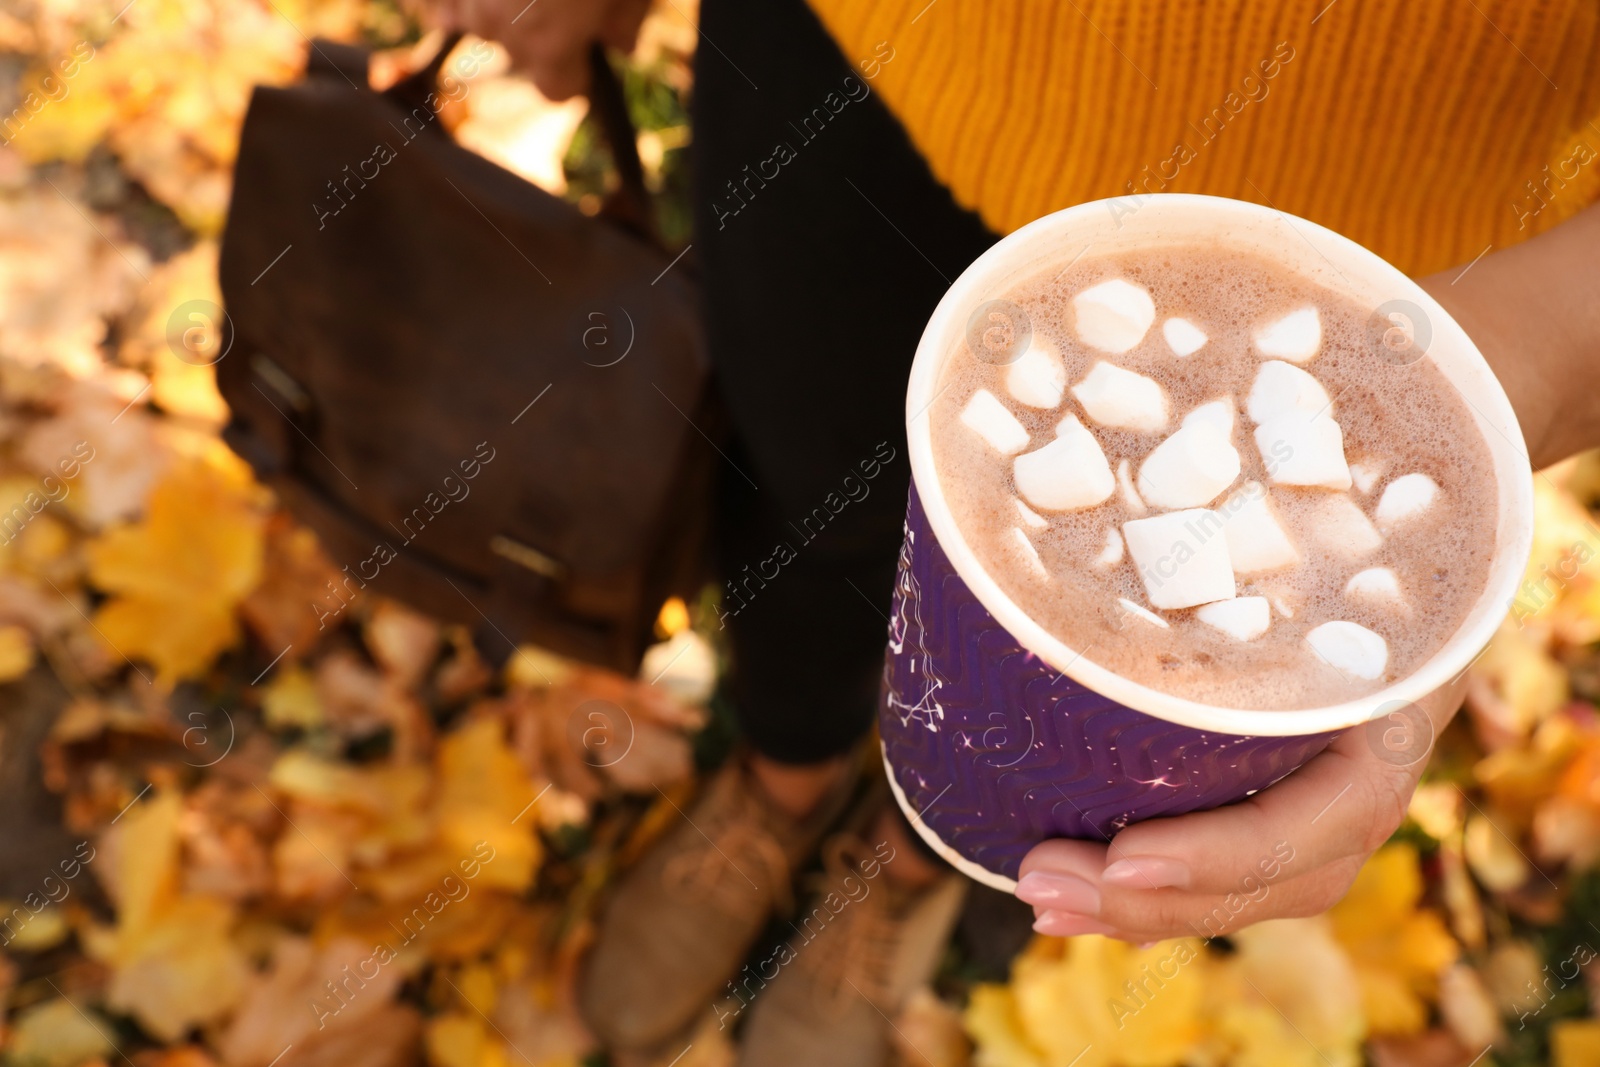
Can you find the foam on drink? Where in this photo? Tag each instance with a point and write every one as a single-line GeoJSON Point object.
{"type": "Point", "coordinates": [1363, 493]}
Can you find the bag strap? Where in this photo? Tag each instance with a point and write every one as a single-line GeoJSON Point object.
{"type": "Point", "coordinates": [343, 62]}
{"type": "Point", "coordinates": [628, 205]}
{"type": "Point", "coordinates": [412, 91]}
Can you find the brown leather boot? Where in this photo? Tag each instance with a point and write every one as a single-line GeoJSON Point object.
{"type": "Point", "coordinates": [683, 919]}
{"type": "Point", "coordinates": [860, 949]}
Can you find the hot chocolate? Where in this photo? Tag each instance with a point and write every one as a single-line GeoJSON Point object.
{"type": "Point", "coordinates": [1213, 477]}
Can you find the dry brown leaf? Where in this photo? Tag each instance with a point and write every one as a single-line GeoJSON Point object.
{"type": "Point", "coordinates": [295, 573]}
{"type": "Point", "coordinates": [463, 674]}
{"type": "Point", "coordinates": [1435, 1048]}
{"type": "Point", "coordinates": [306, 992]}
{"type": "Point", "coordinates": [121, 454]}
{"type": "Point", "coordinates": [358, 701]}
{"type": "Point", "coordinates": [388, 1037]}
{"type": "Point", "coordinates": [404, 642]}
{"type": "Point", "coordinates": [224, 831]}
{"type": "Point", "coordinates": [1468, 1009]}
{"type": "Point", "coordinates": [928, 1033]}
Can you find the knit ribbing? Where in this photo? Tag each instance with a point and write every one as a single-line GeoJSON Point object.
{"type": "Point", "coordinates": [1427, 130]}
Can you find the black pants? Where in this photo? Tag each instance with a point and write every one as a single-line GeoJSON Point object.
{"type": "Point", "coordinates": [825, 243]}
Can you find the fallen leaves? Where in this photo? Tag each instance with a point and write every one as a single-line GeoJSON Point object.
{"type": "Point", "coordinates": [176, 577]}
{"type": "Point", "coordinates": [300, 991]}
{"type": "Point", "coordinates": [1397, 948]}
{"type": "Point", "coordinates": [1094, 1002]}
{"type": "Point", "coordinates": [173, 963]}
{"type": "Point", "coordinates": [57, 1033]}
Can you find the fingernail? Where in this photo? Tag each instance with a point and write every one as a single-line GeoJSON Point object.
{"type": "Point", "coordinates": [1066, 924]}
{"type": "Point", "coordinates": [1147, 872]}
{"type": "Point", "coordinates": [1063, 892]}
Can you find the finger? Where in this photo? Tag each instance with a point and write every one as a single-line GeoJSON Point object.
{"type": "Point", "coordinates": [1344, 802]}
{"type": "Point", "coordinates": [1155, 915]}
{"type": "Point", "coordinates": [1334, 807]}
{"type": "Point", "coordinates": [560, 77]}
{"type": "Point", "coordinates": [1063, 875]}
{"type": "Point", "coordinates": [620, 28]}
{"type": "Point", "coordinates": [1158, 914]}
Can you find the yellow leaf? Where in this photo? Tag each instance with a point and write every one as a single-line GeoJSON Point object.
{"type": "Point", "coordinates": [1436, 808]}
{"type": "Point", "coordinates": [484, 796]}
{"type": "Point", "coordinates": [172, 962]}
{"type": "Point", "coordinates": [143, 856]}
{"type": "Point", "coordinates": [178, 576]}
{"type": "Point", "coordinates": [1531, 685]}
{"type": "Point", "coordinates": [291, 700]}
{"type": "Point", "coordinates": [1398, 950]}
{"type": "Point", "coordinates": [180, 336]}
{"type": "Point", "coordinates": [16, 653]}
{"type": "Point", "coordinates": [1291, 998]}
{"type": "Point", "coordinates": [460, 1039]}
{"type": "Point", "coordinates": [992, 1021]}
{"type": "Point", "coordinates": [477, 986]}
{"type": "Point", "coordinates": [56, 1033]}
{"type": "Point", "coordinates": [1575, 1043]}
{"type": "Point", "coordinates": [1493, 856]}
{"type": "Point", "coordinates": [180, 972]}
{"type": "Point", "coordinates": [33, 931]}
{"type": "Point", "coordinates": [1520, 778]}
{"type": "Point", "coordinates": [531, 667]}
{"type": "Point", "coordinates": [1094, 1002]}
{"type": "Point", "coordinates": [69, 127]}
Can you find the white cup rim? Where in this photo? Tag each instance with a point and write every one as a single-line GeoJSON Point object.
{"type": "Point", "coordinates": [1145, 219]}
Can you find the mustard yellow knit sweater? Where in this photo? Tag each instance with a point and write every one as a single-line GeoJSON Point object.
{"type": "Point", "coordinates": [1427, 130]}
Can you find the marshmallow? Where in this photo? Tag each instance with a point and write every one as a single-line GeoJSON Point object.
{"type": "Point", "coordinates": [1299, 449]}
{"type": "Point", "coordinates": [1031, 553]}
{"type": "Point", "coordinates": [1256, 540]}
{"type": "Point", "coordinates": [1343, 528]}
{"type": "Point", "coordinates": [994, 423]}
{"type": "Point", "coordinates": [1190, 469]}
{"type": "Point", "coordinates": [1407, 496]}
{"type": "Point", "coordinates": [1375, 585]}
{"type": "Point", "coordinates": [1350, 648]}
{"type": "Point", "coordinates": [1183, 336]}
{"type": "Point", "coordinates": [1218, 413]}
{"type": "Point", "coordinates": [1037, 378]}
{"type": "Point", "coordinates": [1148, 616]}
{"type": "Point", "coordinates": [1030, 517]}
{"type": "Point", "coordinates": [1365, 475]}
{"type": "Point", "coordinates": [1113, 316]}
{"type": "Point", "coordinates": [1282, 387]}
{"type": "Point", "coordinates": [1245, 617]}
{"type": "Point", "coordinates": [1069, 472]}
{"type": "Point", "coordinates": [1130, 496]}
{"type": "Point", "coordinates": [1182, 557]}
{"type": "Point", "coordinates": [1116, 397]}
{"type": "Point", "coordinates": [1295, 337]}
{"type": "Point", "coordinates": [1281, 606]}
{"type": "Point", "coordinates": [1111, 555]}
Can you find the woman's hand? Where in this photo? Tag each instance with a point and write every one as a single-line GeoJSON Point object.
{"type": "Point", "coordinates": [1290, 850]}
{"type": "Point", "coordinates": [1293, 849]}
{"type": "Point", "coordinates": [548, 39]}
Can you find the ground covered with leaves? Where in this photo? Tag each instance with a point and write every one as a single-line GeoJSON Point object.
{"type": "Point", "coordinates": [237, 837]}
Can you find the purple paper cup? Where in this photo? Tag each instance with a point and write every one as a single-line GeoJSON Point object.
{"type": "Point", "coordinates": [996, 735]}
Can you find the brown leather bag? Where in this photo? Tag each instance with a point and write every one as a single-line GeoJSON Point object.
{"type": "Point", "coordinates": [484, 401]}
